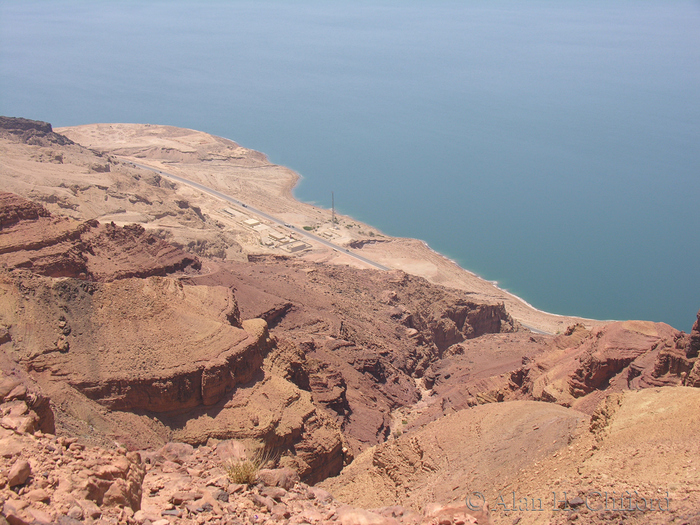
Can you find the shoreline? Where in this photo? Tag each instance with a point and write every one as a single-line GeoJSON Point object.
{"type": "Point", "coordinates": [465, 270]}
{"type": "Point", "coordinates": [583, 320]}
{"type": "Point", "coordinates": [248, 176]}
{"type": "Point", "coordinates": [474, 275]}
{"type": "Point", "coordinates": [495, 283]}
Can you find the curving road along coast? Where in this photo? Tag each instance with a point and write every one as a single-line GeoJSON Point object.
{"type": "Point", "coordinates": [260, 213]}
{"type": "Point", "coordinates": [271, 192]}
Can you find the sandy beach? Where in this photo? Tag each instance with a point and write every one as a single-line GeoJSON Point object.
{"type": "Point", "coordinates": [248, 177]}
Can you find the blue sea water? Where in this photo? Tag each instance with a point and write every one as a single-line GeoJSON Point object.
{"type": "Point", "coordinates": [552, 146]}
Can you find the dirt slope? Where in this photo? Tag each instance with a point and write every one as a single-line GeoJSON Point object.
{"type": "Point", "coordinates": [533, 462]}
{"type": "Point", "coordinates": [447, 459]}
{"type": "Point", "coordinates": [642, 446]}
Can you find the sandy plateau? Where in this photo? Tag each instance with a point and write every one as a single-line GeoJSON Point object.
{"type": "Point", "coordinates": [156, 339]}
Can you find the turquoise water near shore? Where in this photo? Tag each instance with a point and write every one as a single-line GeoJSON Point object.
{"type": "Point", "coordinates": [550, 146]}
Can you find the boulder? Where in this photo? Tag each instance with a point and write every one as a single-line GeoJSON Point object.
{"type": "Point", "coordinates": [19, 473]}
{"type": "Point", "coordinates": [281, 477]}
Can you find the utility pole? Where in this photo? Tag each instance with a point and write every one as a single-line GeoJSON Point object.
{"type": "Point", "coordinates": [333, 208]}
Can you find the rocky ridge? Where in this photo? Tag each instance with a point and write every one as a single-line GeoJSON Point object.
{"type": "Point", "coordinates": [359, 345]}
{"type": "Point", "coordinates": [190, 388]}
{"type": "Point", "coordinates": [584, 365]}
{"type": "Point", "coordinates": [225, 376]}
{"type": "Point", "coordinates": [32, 238]}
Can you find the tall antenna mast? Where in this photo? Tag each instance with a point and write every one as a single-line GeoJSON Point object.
{"type": "Point", "coordinates": [333, 208]}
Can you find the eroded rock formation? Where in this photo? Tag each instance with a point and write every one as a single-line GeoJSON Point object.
{"type": "Point", "coordinates": [147, 346]}
{"type": "Point", "coordinates": [584, 365]}
{"type": "Point", "coordinates": [357, 341]}
{"type": "Point", "coordinates": [32, 132]}
{"type": "Point", "coordinates": [61, 247]}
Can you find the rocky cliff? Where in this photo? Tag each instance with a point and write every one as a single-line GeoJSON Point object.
{"type": "Point", "coordinates": [61, 247]}
{"type": "Point", "coordinates": [584, 365]}
{"type": "Point", "coordinates": [32, 132]}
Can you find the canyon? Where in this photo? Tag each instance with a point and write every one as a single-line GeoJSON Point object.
{"type": "Point", "coordinates": [150, 334]}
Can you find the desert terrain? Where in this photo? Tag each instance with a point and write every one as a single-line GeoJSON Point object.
{"type": "Point", "coordinates": [248, 176]}
{"type": "Point", "coordinates": [155, 337]}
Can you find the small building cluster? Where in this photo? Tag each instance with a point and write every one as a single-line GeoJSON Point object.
{"type": "Point", "coordinates": [274, 238]}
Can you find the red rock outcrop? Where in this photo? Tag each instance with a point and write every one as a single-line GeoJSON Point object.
{"type": "Point", "coordinates": [693, 347]}
{"type": "Point", "coordinates": [31, 238]}
{"type": "Point", "coordinates": [608, 351]}
{"type": "Point", "coordinates": [14, 209]}
{"type": "Point", "coordinates": [23, 409]}
{"type": "Point", "coordinates": [619, 356]}
{"type": "Point", "coordinates": [692, 350]}
{"type": "Point", "coordinates": [356, 340]}
{"type": "Point", "coordinates": [135, 366]}
{"type": "Point", "coordinates": [152, 345]}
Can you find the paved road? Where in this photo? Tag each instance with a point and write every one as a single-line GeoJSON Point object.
{"type": "Point", "coordinates": [260, 213]}
{"type": "Point", "coordinates": [279, 222]}
{"type": "Point", "coordinates": [537, 330]}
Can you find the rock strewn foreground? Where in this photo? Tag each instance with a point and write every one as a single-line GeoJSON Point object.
{"type": "Point", "coordinates": [46, 479]}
